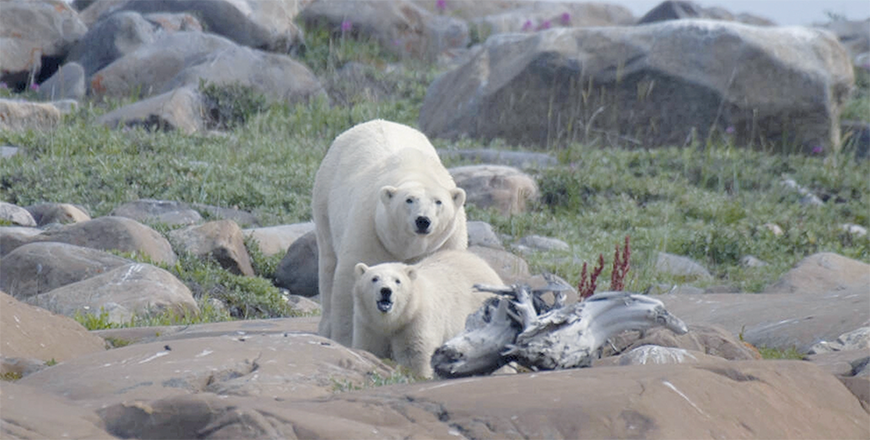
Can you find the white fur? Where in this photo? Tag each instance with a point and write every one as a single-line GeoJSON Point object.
{"type": "Point", "coordinates": [362, 211]}
{"type": "Point", "coordinates": [430, 302]}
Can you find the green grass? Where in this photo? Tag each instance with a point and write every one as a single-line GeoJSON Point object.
{"type": "Point", "coordinates": [708, 203]}
{"type": "Point", "coordinates": [779, 353]}
{"type": "Point", "coordinates": [373, 380]}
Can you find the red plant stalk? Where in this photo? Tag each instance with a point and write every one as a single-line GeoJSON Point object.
{"type": "Point", "coordinates": [621, 266]}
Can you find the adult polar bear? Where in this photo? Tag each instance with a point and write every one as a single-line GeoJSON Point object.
{"type": "Point", "coordinates": [381, 195]}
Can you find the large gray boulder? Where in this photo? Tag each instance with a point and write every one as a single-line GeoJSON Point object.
{"type": "Point", "coordinates": [67, 83]}
{"type": "Point", "coordinates": [669, 83]}
{"type": "Point", "coordinates": [220, 240]}
{"type": "Point", "coordinates": [63, 213]}
{"type": "Point", "coordinates": [33, 30]}
{"type": "Point", "coordinates": [537, 16]}
{"type": "Point", "coordinates": [16, 215]}
{"type": "Point", "coordinates": [125, 292]}
{"type": "Point", "coordinates": [168, 212]}
{"type": "Point", "coordinates": [111, 38]}
{"type": "Point", "coordinates": [679, 10]}
{"type": "Point", "coordinates": [42, 266]}
{"type": "Point", "coordinates": [180, 109]}
{"type": "Point", "coordinates": [267, 25]}
{"type": "Point", "coordinates": [401, 27]}
{"type": "Point", "coordinates": [822, 272]}
{"type": "Point", "coordinates": [181, 59]}
{"type": "Point", "coordinates": [297, 270]}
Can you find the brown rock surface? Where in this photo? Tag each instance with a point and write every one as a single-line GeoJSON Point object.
{"type": "Point", "coordinates": [823, 272]}
{"type": "Point", "coordinates": [221, 240]}
{"type": "Point", "coordinates": [32, 332]}
{"type": "Point", "coordinates": [29, 413]}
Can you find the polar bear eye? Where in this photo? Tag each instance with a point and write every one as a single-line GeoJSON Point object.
{"type": "Point", "coordinates": [375, 279]}
{"type": "Point", "coordinates": [398, 282]}
{"type": "Point", "coordinates": [438, 202]}
{"type": "Point", "coordinates": [409, 200]}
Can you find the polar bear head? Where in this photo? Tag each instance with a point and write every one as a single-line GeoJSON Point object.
{"type": "Point", "coordinates": [414, 219]}
{"type": "Point", "coordinates": [384, 293]}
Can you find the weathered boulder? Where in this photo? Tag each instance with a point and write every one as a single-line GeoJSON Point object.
{"type": "Point", "coordinates": [272, 326]}
{"type": "Point", "coordinates": [63, 213]}
{"type": "Point", "coordinates": [537, 16]}
{"type": "Point", "coordinates": [32, 413]}
{"type": "Point", "coordinates": [67, 83]}
{"type": "Point", "coordinates": [763, 399]}
{"type": "Point", "coordinates": [678, 10]}
{"type": "Point", "coordinates": [267, 25]}
{"type": "Point", "coordinates": [777, 320]}
{"type": "Point", "coordinates": [126, 291]}
{"type": "Point", "coordinates": [668, 83]}
{"type": "Point", "coordinates": [481, 234]}
{"type": "Point", "coordinates": [504, 188]}
{"type": "Point", "coordinates": [822, 272]}
{"type": "Point", "coordinates": [509, 267]}
{"type": "Point", "coordinates": [33, 332]}
{"type": "Point", "coordinates": [532, 243]}
{"type": "Point", "coordinates": [275, 240]}
{"type": "Point", "coordinates": [111, 38]}
{"type": "Point", "coordinates": [401, 27]}
{"type": "Point", "coordinates": [179, 59]}
{"type": "Point", "coordinates": [282, 366]}
{"type": "Point", "coordinates": [42, 266]}
{"type": "Point", "coordinates": [708, 339]}
{"type": "Point", "coordinates": [168, 212]}
{"type": "Point", "coordinates": [853, 34]}
{"type": "Point", "coordinates": [220, 240]}
{"type": "Point", "coordinates": [22, 115]}
{"type": "Point", "coordinates": [174, 22]}
{"type": "Point", "coordinates": [680, 266]}
{"type": "Point", "coordinates": [243, 218]}
{"type": "Point", "coordinates": [657, 355]}
{"type": "Point", "coordinates": [12, 237]}
{"type": "Point", "coordinates": [16, 215]}
{"type": "Point", "coordinates": [34, 31]}
{"type": "Point", "coordinates": [856, 340]}
{"type": "Point", "coordinates": [104, 233]}
{"type": "Point", "coordinates": [297, 270]}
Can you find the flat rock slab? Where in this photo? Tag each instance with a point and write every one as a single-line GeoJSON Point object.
{"type": "Point", "coordinates": [32, 413]}
{"type": "Point", "coordinates": [33, 332]}
{"type": "Point", "coordinates": [230, 328]}
{"type": "Point", "coordinates": [749, 399]}
{"type": "Point", "coordinates": [823, 272]}
{"type": "Point", "coordinates": [779, 320]}
{"type": "Point", "coordinates": [288, 366]}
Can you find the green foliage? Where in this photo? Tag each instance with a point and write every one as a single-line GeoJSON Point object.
{"type": "Point", "coordinates": [263, 265]}
{"type": "Point", "coordinates": [400, 375]}
{"type": "Point", "coordinates": [231, 105]}
{"type": "Point", "coordinates": [327, 49]}
{"type": "Point", "coordinates": [117, 342]}
{"type": "Point", "coordinates": [51, 362]}
{"type": "Point", "coordinates": [10, 376]}
{"type": "Point", "coordinates": [778, 353]}
{"type": "Point", "coordinates": [95, 321]}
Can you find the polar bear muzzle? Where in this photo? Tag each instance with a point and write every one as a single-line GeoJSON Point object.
{"type": "Point", "coordinates": [423, 225]}
{"type": "Point", "coordinates": [385, 304]}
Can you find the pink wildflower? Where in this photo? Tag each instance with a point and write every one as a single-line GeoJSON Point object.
{"type": "Point", "coordinates": [346, 26]}
{"type": "Point", "coordinates": [441, 5]}
{"type": "Point", "coordinates": [527, 26]}
{"type": "Point", "coordinates": [565, 19]}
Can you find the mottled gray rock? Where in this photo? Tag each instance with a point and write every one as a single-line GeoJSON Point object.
{"type": "Point", "coordinates": [40, 267]}
{"type": "Point", "coordinates": [656, 355]}
{"type": "Point", "coordinates": [274, 240]}
{"type": "Point", "coordinates": [220, 240]}
{"type": "Point", "coordinates": [16, 215]}
{"type": "Point", "coordinates": [103, 233]}
{"type": "Point", "coordinates": [19, 366]}
{"type": "Point", "coordinates": [680, 266]}
{"type": "Point", "coordinates": [539, 16]}
{"type": "Point", "coordinates": [174, 22]}
{"type": "Point", "coordinates": [297, 271]}
{"type": "Point", "coordinates": [399, 26]}
{"type": "Point", "coordinates": [752, 261]}
{"type": "Point", "coordinates": [32, 413]}
{"type": "Point", "coordinates": [504, 188]}
{"type": "Point", "coordinates": [822, 272]}
{"type": "Point", "coordinates": [855, 340]}
{"type": "Point", "coordinates": [303, 305]}
{"type": "Point", "coordinates": [574, 84]}
{"type": "Point", "coordinates": [708, 339]}
{"type": "Point", "coordinates": [33, 332]}
{"type": "Point", "coordinates": [482, 234]}
{"type": "Point", "coordinates": [179, 59]}
{"type": "Point", "coordinates": [23, 115]}
{"type": "Point", "coordinates": [681, 10]}
{"type": "Point", "coordinates": [853, 34]}
{"type": "Point", "coordinates": [777, 320]}
{"type": "Point", "coordinates": [242, 218]}
{"type": "Point", "coordinates": [541, 243]}
{"type": "Point", "coordinates": [266, 25]}
{"type": "Point", "coordinates": [134, 289]}
{"type": "Point", "coordinates": [33, 30]}
{"type": "Point", "coordinates": [7, 151]}
{"type": "Point", "coordinates": [63, 213]}
{"type": "Point", "coordinates": [67, 83]}
{"type": "Point", "coordinates": [168, 212]}
{"type": "Point", "coordinates": [111, 38]}
{"type": "Point", "coordinates": [180, 109]}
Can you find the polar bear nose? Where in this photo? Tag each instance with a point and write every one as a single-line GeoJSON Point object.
{"type": "Point", "coordinates": [422, 224]}
{"type": "Point", "coordinates": [386, 292]}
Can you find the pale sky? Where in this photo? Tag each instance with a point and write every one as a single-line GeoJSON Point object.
{"type": "Point", "coordinates": [782, 12]}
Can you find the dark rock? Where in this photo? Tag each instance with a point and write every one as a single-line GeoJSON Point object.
{"type": "Point", "coordinates": [297, 271]}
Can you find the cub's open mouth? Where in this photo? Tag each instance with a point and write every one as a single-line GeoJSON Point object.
{"type": "Point", "coordinates": [385, 305]}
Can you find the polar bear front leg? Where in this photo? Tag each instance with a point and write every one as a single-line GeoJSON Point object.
{"type": "Point", "coordinates": [341, 304]}
{"type": "Point", "coordinates": [416, 355]}
{"type": "Point", "coordinates": [325, 275]}
{"type": "Point", "coordinates": [364, 338]}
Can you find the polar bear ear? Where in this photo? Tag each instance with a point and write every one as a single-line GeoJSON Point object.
{"type": "Point", "coordinates": [458, 195]}
{"type": "Point", "coordinates": [387, 194]}
{"type": "Point", "coordinates": [411, 273]}
{"type": "Point", "coordinates": [360, 269]}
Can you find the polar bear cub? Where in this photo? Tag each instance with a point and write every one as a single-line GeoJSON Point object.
{"type": "Point", "coordinates": [407, 311]}
{"type": "Point", "coordinates": [381, 194]}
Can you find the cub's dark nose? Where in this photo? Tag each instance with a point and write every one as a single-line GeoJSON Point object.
{"type": "Point", "coordinates": [386, 292]}
{"type": "Point", "coordinates": [422, 224]}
